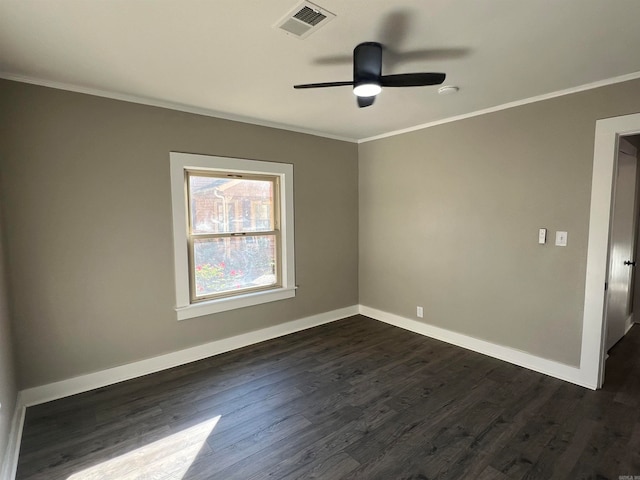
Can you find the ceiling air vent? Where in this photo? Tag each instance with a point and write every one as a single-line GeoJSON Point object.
{"type": "Point", "coordinates": [304, 19]}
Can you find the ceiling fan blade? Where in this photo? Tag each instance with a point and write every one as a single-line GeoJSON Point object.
{"type": "Point", "coordinates": [365, 101]}
{"type": "Point", "coordinates": [412, 79]}
{"type": "Point", "coordinates": [323, 85]}
{"type": "Point", "coordinates": [367, 62]}
{"type": "Point", "coordinates": [334, 60]}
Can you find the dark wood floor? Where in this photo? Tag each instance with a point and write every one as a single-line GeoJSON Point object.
{"type": "Point", "coordinates": [355, 399]}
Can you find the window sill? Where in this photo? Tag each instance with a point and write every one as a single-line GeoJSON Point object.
{"type": "Point", "coordinates": [232, 303]}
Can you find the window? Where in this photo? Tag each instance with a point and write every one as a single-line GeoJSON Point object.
{"type": "Point", "coordinates": [233, 233]}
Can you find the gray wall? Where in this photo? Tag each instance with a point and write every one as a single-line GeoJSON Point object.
{"type": "Point", "coordinates": [449, 220]}
{"type": "Point", "coordinates": [8, 390]}
{"type": "Point", "coordinates": [88, 223]}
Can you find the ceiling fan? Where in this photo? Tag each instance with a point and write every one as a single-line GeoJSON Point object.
{"type": "Point", "coordinates": [368, 79]}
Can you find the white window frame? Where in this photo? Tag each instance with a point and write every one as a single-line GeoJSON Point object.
{"type": "Point", "coordinates": [179, 163]}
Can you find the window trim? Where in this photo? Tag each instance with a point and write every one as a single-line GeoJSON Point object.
{"type": "Point", "coordinates": [179, 163]}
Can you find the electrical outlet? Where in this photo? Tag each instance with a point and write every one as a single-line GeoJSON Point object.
{"type": "Point", "coordinates": [419, 312]}
{"type": "Point", "coordinates": [561, 239]}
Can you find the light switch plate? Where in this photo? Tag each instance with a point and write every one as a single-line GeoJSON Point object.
{"type": "Point", "coordinates": [542, 236]}
{"type": "Point", "coordinates": [561, 239]}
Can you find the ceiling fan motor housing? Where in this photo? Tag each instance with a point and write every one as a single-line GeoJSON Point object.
{"type": "Point", "coordinates": [367, 69]}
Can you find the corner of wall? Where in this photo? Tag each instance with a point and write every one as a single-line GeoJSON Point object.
{"type": "Point", "coordinates": [527, 360]}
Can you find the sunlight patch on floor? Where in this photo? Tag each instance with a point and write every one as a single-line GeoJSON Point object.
{"type": "Point", "coordinates": [169, 457]}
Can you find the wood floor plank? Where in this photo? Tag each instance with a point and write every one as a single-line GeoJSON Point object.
{"type": "Point", "coordinates": [431, 438]}
{"type": "Point", "coordinates": [355, 399]}
{"type": "Point", "coordinates": [225, 453]}
{"type": "Point", "coordinates": [280, 455]}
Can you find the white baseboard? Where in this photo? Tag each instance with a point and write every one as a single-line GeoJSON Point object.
{"type": "Point", "coordinates": [10, 459]}
{"type": "Point", "coordinates": [84, 383]}
{"type": "Point", "coordinates": [558, 370]}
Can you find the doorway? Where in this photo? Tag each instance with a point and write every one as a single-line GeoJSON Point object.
{"type": "Point", "coordinates": [620, 295]}
{"type": "Point", "coordinates": [594, 328]}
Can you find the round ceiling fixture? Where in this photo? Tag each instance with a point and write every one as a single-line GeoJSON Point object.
{"type": "Point", "coordinates": [368, 89]}
{"type": "Point", "coordinates": [448, 90]}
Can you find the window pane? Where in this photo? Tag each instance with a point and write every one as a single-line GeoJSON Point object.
{"type": "Point", "coordinates": [228, 264]}
{"type": "Point", "coordinates": [224, 205]}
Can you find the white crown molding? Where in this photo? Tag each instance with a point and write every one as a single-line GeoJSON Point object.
{"type": "Point", "coordinates": [264, 123]}
{"type": "Point", "coordinates": [91, 381]}
{"type": "Point", "coordinates": [505, 106]}
{"type": "Point", "coordinates": [170, 105]}
{"type": "Point", "coordinates": [9, 464]}
{"type": "Point", "coordinates": [554, 369]}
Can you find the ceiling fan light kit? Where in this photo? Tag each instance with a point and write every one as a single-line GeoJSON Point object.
{"type": "Point", "coordinates": [368, 79]}
{"type": "Point", "coordinates": [367, 90]}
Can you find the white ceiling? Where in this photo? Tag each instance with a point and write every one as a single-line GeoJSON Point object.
{"type": "Point", "coordinates": [223, 57]}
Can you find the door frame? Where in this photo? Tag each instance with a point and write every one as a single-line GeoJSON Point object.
{"type": "Point", "coordinates": [607, 134]}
